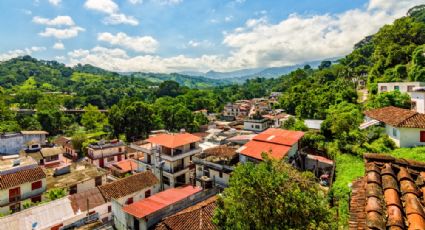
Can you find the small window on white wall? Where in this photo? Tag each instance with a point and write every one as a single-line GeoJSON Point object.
{"type": "Point", "coordinates": [394, 132]}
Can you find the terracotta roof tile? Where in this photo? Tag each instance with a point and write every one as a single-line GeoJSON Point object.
{"type": "Point", "coordinates": [23, 176]}
{"type": "Point", "coordinates": [173, 140]}
{"type": "Point", "coordinates": [398, 117]}
{"type": "Point", "coordinates": [198, 216]}
{"type": "Point", "coordinates": [128, 185]}
{"type": "Point", "coordinates": [392, 196]}
{"type": "Point", "coordinates": [92, 196]}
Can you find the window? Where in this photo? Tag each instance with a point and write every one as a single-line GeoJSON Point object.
{"type": "Point", "coordinates": [383, 88]}
{"type": "Point", "coordinates": [129, 200]}
{"type": "Point", "coordinates": [166, 180]}
{"type": "Point", "coordinates": [410, 88]}
{"type": "Point", "coordinates": [422, 136]}
{"type": "Point", "coordinates": [119, 149]}
{"type": "Point", "coordinates": [109, 208]}
{"type": "Point", "coordinates": [220, 174]}
{"type": "Point", "coordinates": [257, 126]}
{"type": "Point", "coordinates": [109, 159]}
{"type": "Point", "coordinates": [98, 181]}
{"type": "Point", "coordinates": [52, 158]}
{"type": "Point", "coordinates": [394, 132]}
{"type": "Point", "coordinates": [36, 185]}
{"type": "Point", "coordinates": [147, 193]}
{"type": "Point", "coordinates": [14, 194]}
{"type": "Point", "coordinates": [36, 199]}
{"type": "Point", "coordinates": [73, 189]}
{"type": "Point", "coordinates": [396, 87]}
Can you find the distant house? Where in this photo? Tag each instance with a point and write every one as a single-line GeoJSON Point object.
{"type": "Point", "coordinates": [389, 195]}
{"type": "Point", "coordinates": [103, 154]}
{"type": "Point", "coordinates": [313, 124]}
{"type": "Point", "coordinates": [68, 149]}
{"type": "Point", "coordinates": [278, 143]}
{"type": "Point", "coordinates": [405, 127]}
{"type": "Point", "coordinates": [20, 179]}
{"type": "Point", "coordinates": [277, 120]}
{"type": "Point", "coordinates": [145, 213]}
{"type": "Point", "coordinates": [13, 143]}
{"type": "Point", "coordinates": [418, 99]}
{"type": "Point", "coordinates": [169, 156]}
{"type": "Point", "coordinates": [403, 87]}
{"type": "Point", "coordinates": [122, 168]}
{"type": "Point", "coordinates": [198, 216]}
{"type": "Point", "coordinates": [256, 125]}
{"type": "Point", "coordinates": [214, 166]}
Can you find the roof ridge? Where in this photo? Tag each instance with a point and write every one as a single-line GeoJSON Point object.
{"type": "Point", "coordinates": [413, 115]}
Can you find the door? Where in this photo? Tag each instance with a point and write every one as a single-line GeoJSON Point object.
{"type": "Point", "coordinates": [119, 158]}
{"type": "Point", "coordinates": [422, 134]}
{"type": "Point", "coordinates": [14, 195]}
{"type": "Point", "coordinates": [101, 162]}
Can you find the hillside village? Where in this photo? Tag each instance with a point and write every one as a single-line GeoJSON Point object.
{"type": "Point", "coordinates": [340, 146]}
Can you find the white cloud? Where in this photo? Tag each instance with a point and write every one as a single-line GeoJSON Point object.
{"type": "Point", "coordinates": [55, 2]}
{"type": "Point", "coordinates": [144, 44]}
{"type": "Point", "coordinates": [260, 43]}
{"type": "Point", "coordinates": [228, 18]}
{"type": "Point", "coordinates": [110, 8]}
{"type": "Point", "coordinates": [58, 21]}
{"type": "Point", "coordinates": [168, 2]}
{"type": "Point", "coordinates": [197, 44]}
{"type": "Point", "coordinates": [58, 46]}
{"type": "Point", "coordinates": [62, 33]}
{"type": "Point", "coordinates": [20, 52]}
{"type": "Point", "coordinates": [134, 2]}
{"type": "Point", "coordinates": [115, 19]}
{"type": "Point", "coordinates": [60, 58]}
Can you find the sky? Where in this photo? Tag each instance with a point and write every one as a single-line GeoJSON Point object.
{"type": "Point", "coordinates": [190, 35]}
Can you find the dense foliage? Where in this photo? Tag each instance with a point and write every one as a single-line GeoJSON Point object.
{"type": "Point", "coordinates": [272, 195]}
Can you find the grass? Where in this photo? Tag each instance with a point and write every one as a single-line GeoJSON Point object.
{"type": "Point", "coordinates": [417, 153]}
{"type": "Point", "coordinates": [348, 168]}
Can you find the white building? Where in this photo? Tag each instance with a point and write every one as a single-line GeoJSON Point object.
{"type": "Point", "coordinates": [403, 87]}
{"type": "Point", "coordinates": [256, 125]}
{"type": "Point", "coordinates": [405, 127]}
{"type": "Point", "coordinates": [104, 154]}
{"type": "Point", "coordinates": [173, 154]}
{"type": "Point", "coordinates": [13, 143]}
{"type": "Point", "coordinates": [418, 99]}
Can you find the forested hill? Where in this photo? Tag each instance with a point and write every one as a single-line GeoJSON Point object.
{"type": "Point", "coordinates": [184, 80]}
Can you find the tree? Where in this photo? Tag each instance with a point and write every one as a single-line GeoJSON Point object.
{"type": "Point", "coordinates": [169, 88]}
{"type": "Point", "coordinates": [139, 120]}
{"type": "Point", "coordinates": [7, 119]}
{"type": "Point", "coordinates": [272, 195]}
{"type": "Point", "coordinates": [294, 124]}
{"type": "Point", "coordinates": [77, 141]}
{"type": "Point", "coordinates": [49, 115]}
{"type": "Point", "coordinates": [116, 119]}
{"type": "Point", "coordinates": [341, 119]}
{"type": "Point", "coordinates": [392, 98]}
{"type": "Point", "coordinates": [325, 65]}
{"type": "Point", "coordinates": [93, 119]}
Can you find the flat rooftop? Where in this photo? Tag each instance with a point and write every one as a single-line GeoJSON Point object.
{"type": "Point", "coordinates": [7, 163]}
{"type": "Point", "coordinates": [79, 172]}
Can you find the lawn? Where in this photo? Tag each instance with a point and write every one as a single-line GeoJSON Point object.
{"type": "Point", "coordinates": [417, 153]}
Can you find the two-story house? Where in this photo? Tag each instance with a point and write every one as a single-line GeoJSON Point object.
{"type": "Point", "coordinates": [170, 156]}
{"type": "Point", "coordinates": [20, 179]}
{"type": "Point", "coordinates": [103, 154]}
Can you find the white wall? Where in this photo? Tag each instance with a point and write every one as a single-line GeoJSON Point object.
{"type": "Point", "coordinates": [419, 99]}
{"type": "Point", "coordinates": [255, 126]}
{"type": "Point", "coordinates": [402, 86]}
{"type": "Point", "coordinates": [405, 137]}
{"type": "Point", "coordinates": [26, 192]}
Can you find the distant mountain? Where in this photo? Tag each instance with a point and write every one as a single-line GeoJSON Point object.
{"type": "Point", "coordinates": [184, 80]}
{"type": "Point", "coordinates": [242, 75]}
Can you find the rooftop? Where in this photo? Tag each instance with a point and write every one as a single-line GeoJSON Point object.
{"type": "Point", "coordinates": [80, 172]}
{"type": "Point", "coordinates": [92, 196]}
{"type": "Point", "coordinates": [128, 185]}
{"type": "Point", "coordinates": [397, 117]}
{"type": "Point", "coordinates": [21, 177]}
{"type": "Point", "coordinates": [35, 132]}
{"type": "Point", "coordinates": [279, 136]}
{"type": "Point", "coordinates": [159, 201]}
{"type": "Point", "coordinates": [173, 140]}
{"type": "Point", "coordinates": [15, 162]}
{"type": "Point", "coordinates": [390, 195]}
{"type": "Point", "coordinates": [222, 151]}
{"type": "Point", "coordinates": [46, 152]}
{"type": "Point", "coordinates": [126, 165]}
{"type": "Point", "coordinates": [104, 145]}
{"type": "Point", "coordinates": [198, 216]}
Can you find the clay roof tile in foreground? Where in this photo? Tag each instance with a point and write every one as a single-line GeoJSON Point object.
{"type": "Point", "coordinates": [198, 216]}
{"type": "Point", "coordinates": [390, 195]}
{"type": "Point", "coordinates": [128, 185]}
{"type": "Point", "coordinates": [398, 117]}
{"type": "Point", "coordinates": [173, 140]}
{"type": "Point", "coordinates": [21, 177]}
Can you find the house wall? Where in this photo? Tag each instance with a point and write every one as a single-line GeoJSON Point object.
{"type": "Point", "coordinates": [390, 131]}
{"type": "Point", "coordinates": [419, 99]}
{"type": "Point", "coordinates": [255, 126]}
{"type": "Point", "coordinates": [26, 192]}
{"type": "Point", "coordinates": [410, 137]}
{"type": "Point", "coordinates": [88, 184]}
{"type": "Point", "coordinates": [38, 138]}
{"type": "Point", "coordinates": [12, 144]}
{"type": "Point", "coordinates": [107, 163]}
{"type": "Point", "coordinates": [293, 150]}
{"type": "Point", "coordinates": [403, 86]}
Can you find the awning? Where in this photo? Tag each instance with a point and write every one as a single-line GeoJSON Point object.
{"type": "Point", "coordinates": [367, 124]}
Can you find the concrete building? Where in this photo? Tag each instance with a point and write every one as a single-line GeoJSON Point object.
{"type": "Point", "coordinates": [214, 166]}
{"type": "Point", "coordinates": [68, 149]}
{"type": "Point", "coordinates": [403, 87]}
{"type": "Point", "coordinates": [418, 99]}
{"type": "Point", "coordinates": [277, 143]}
{"type": "Point", "coordinates": [256, 125]}
{"type": "Point", "coordinates": [103, 154]}
{"type": "Point", "coordinates": [20, 179]}
{"type": "Point", "coordinates": [13, 143]}
{"type": "Point", "coordinates": [169, 156]}
{"type": "Point", "coordinates": [405, 127]}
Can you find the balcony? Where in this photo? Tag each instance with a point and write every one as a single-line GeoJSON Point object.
{"type": "Point", "coordinates": [178, 154]}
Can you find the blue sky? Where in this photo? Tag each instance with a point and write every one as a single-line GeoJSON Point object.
{"type": "Point", "coordinates": [190, 35]}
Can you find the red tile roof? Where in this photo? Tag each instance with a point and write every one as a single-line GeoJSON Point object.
{"type": "Point", "coordinates": [126, 165]}
{"type": "Point", "coordinates": [277, 142]}
{"type": "Point", "coordinates": [280, 136]}
{"type": "Point", "coordinates": [398, 117]}
{"type": "Point", "coordinates": [92, 196]}
{"type": "Point", "coordinates": [159, 201]}
{"type": "Point", "coordinates": [390, 195]}
{"type": "Point", "coordinates": [173, 140]}
{"type": "Point", "coordinates": [128, 185]}
{"type": "Point", "coordinates": [198, 216]}
{"type": "Point", "coordinates": [21, 177]}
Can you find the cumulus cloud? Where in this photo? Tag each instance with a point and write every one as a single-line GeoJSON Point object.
{"type": "Point", "coordinates": [58, 46]}
{"type": "Point", "coordinates": [55, 2]}
{"type": "Point", "coordinates": [196, 44]}
{"type": "Point", "coordinates": [260, 43]}
{"type": "Point", "coordinates": [20, 52]}
{"type": "Point", "coordinates": [114, 16]}
{"type": "Point", "coordinates": [58, 21]}
{"type": "Point", "coordinates": [62, 33]}
{"type": "Point", "coordinates": [145, 44]}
